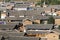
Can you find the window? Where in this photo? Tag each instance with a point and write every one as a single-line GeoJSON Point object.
{"type": "Point", "coordinates": [31, 29]}
{"type": "Point", "coordinates": [8, 14]}
{"type": "Point", "coordinates": [19, 3]}
{"type": "Point", "coordinates": [16, 20]}
{"type": "Point", "coordinates": [42, 22]}
{"type": "Point", "coordinates": [35, 23]}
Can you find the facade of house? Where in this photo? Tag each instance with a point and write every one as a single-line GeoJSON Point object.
{"type": "Point", "coordinates": [3, 15]}
{"type": "Point", "coordinates": [57, 20]}
{"type": "Point", "coordinates": [58, 13]}
{"type": "Point", "coordinates": [37, 21]}
{"type": "Point", "coordinates": [27, 22]}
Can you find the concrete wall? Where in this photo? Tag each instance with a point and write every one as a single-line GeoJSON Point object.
{"type": "Point", "coordinates": [38, 21]}
{"type": "Point", "coordinates": [26, 22]}
{"type": "Point", "coordinates": [57, 21]}
{"type": "Point", "coordinates": [58, 12]}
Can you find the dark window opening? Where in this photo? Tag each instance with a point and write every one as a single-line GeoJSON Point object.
{"type": "Point", "coordinates": [35, 23]}
{"type": "Point", "coordinates": [16, 20]}
{"type": "Point", "coordinates": [19, 3]}
{"type": "Point", "coordinates": [41, 21]}
{"type": "Point", "coordinates": [36, 29]}
{"type": "Point", "coordinates": [30, 35]}
{"type": "Point", "coordinates": [8, 14]}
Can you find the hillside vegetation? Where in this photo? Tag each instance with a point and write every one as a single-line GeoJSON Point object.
{"type": "Point", "coordinates": [52, 2]}
{"type": "Point", "coordinates": [49, 2]}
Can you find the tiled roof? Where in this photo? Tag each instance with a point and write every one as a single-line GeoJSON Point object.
{"type": "Point", "coordinates": [6, 27]}
{"type": "Point", "coordinates": [56, 17]}
{"type": "Point", "coordinates": [39, 26]}
{"type": "Point", "coordinates": [23, 38]}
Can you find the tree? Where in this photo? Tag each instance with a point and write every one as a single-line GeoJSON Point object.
{"type": "Point", "coordinates": [51, 20]}
{"type": "Point", "coordinates": [38, 3]}
{"type": "Point", "coordinates": [49, 2]}
{"type": "Point", "coordinates": [59, 27]}
{"type": "Point", "coordinates": [7, 0]}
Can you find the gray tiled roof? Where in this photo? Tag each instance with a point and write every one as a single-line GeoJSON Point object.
{"type": "Point", "coordinates": [15, 13]}
{"type": "Point", "coordinates": [8, 33]}
{"type": "Point", "coordinates": [39, 26]}
{"type": "Point", "coordinates": [4, 27]}
{"type": "Point", "coordinates": [23, 38]}
{"type": "Point", "coordinates": [38, 32]}
{"type": "Point", "coordinates": [35, 13]}
{"type": "Point", "coordinates": [57, 30]}
{"type": "Point", "coordinates": [6, 3]}
{"type": "Point", "coordinates": [15, 33]}
{"type": "Point", "coordinates": [28, 12]}
{"type": "Point", "coordinates": [21, 5]}
{"type": "Point", "coordinates": [56, 17]}
{"type": "Point", "coordinates": [2, 8]}
{"type": "Point", "coordinates": [15, 18]}
{"type": "Point", "coordinates": [1, 33]}
{"type": "Point", "coordinates": [39, 17]}
{"type": "Point", "coordinates": [11, 18]}
{"type": "Point", "coordinates": [54, 6]}
{"type": "Point", "coordinates": [13, 23]}
{"type": "Point", "coordinates": [0, 37]}
{"type": "Point", "coordinates": [35, 17]}
{"type": "Point", "coordinates": [48, 8]}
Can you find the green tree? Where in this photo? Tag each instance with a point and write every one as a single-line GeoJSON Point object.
{"type": "Point", "coordinates": [38, 3]}
{"type": "Point", "coordinates": [51, 20]}
{"type": "Point", "coordinates": [49, 2]}
{"type": "Point", "coordinates": [7, 0]}
{"type": "Point", "coordinates": [59, 27]}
